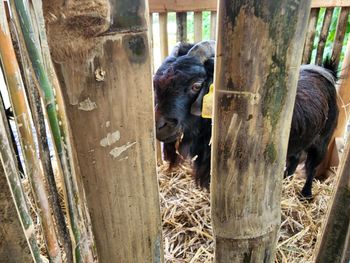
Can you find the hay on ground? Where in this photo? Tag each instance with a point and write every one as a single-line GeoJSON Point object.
{"type": "Point", "coordinates": [187, 231]}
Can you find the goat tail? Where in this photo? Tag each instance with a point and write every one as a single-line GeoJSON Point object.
{"type": "Point", "coordinates": [331, 65]}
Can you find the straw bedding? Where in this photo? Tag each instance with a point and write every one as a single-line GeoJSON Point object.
{"type": "Point", "coordinates": [187, 231]}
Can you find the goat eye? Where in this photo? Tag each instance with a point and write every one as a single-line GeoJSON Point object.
{"type": "Point", "coordinates": [196, 86]}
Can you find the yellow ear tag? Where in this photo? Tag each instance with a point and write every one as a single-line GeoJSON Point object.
{"type": "Point", "coordinates": [207, 107]}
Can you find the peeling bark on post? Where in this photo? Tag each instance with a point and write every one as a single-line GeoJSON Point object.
{"type": "Point", "coordinates": [257, 67]}
{"type": "Point", "coordinates": [102, 55]}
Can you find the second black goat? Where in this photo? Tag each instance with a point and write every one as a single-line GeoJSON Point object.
{"type": "Point", "coordinates": [184, 78]}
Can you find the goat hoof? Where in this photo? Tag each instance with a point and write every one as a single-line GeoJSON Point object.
{"type": "Point", "coordinates": [305, 196]}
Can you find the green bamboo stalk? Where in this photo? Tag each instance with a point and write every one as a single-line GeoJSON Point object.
{"type": "Point", "coordinates": [12, 176]}
{"type": "Point", "coordinates": [39, 121]}
{"type": "Point", "coordinates": [59, 132]}
{"type": "Point", "coordinates": [22, 117]}
{"type": "Point", "coordinates": [26, 24]}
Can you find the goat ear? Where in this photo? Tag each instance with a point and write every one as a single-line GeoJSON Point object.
{"type": "Point", "coordinates": [209, 66]}
{"type": "Point", "coordinates": [196, 108]}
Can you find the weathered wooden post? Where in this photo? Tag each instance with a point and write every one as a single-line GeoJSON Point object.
{"type": "Point", "coordinates": [102, 55]}
{"type": "Point", "coordinates": [181, 31]}
{"type": "Point", "coordinates": [257, 67]}
{"type": "Point", "coordinates": [332, 245]}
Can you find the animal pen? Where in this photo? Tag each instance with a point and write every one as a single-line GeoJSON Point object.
{"type": "Point", "coordinates": [79, 75]}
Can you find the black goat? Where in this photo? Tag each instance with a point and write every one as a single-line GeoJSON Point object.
{"type": "Point", "coordinates": [184, 78]}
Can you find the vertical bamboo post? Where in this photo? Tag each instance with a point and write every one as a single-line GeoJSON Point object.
{"type": "Point", "coordinates": [163, 32]}
{"type": "Point", "coordinates": [343, 118]}
{"type": "Point", "coordinates": [310, 35]}
{"type": "Point", "coordinates": [105, 76]}
{"type": "Point", "coordinates": [332, 244]}
{"type": "Point", "coordinates": [21, 112]}
{"type": "Point", "coordinates": [164, 52]}
{"type": "Point", "coordinates": [343, 91]}
{"type": "Point", "coordinates": [257, 62]}
{"type": "Point", "coordinates": [41, 64]}
{"type": "Point", "coordinates": [181, 22]}
{"type": "Point", "coordinates": [197, 26]}
{"type": "Point", "coordinates": [34, 99]}
{"type": "Point", "coordinates": [344, 94]}
{"type": "Point", "coordinates": [14, 214]}
{"type": "Point", "coordinates": [340, 34]}
{"type": "Point", "coordinates": [323, 35]}
{"type": "Point", "coordinates": [213, 25]}
{"type": "Point", "coordinates": [346, 252]}
{"type": "Point", "coordinates": [150, 32]}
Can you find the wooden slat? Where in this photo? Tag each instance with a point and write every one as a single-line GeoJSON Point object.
{"type": "Point", "coordinates": [323, 35]}
{"type": "Point", "coordinates": [150, 35]}
{"type": "Point", "coordinates": [310, 37]}
{"type": "Point", "coordinates": [340, 34]}
{"type": "Point", "coordinates": [115, 147]}
{"type": "Point", "coordinates": [344, 95]}
{"type": "Point", "coordinates": [346, 251]}
{"type": "Point", "coordinates": [197, 26]}
{"type": "Point", "coordinates": [182, 5]}
{"type": "Point", "coordinates": [164, 51]}
{"type": "Point", "coordinates": [181, 29]}
{"type": "Point", "coordinates": [329, 3]}
{"type": "Point", "coordinates": [163, 34]}
{"type": "Point", "coordinates": [213, 25]}
{"type": "Point", "coordinates": [343, 118]}
{"type": "Point", "coordinates": [211, 5]}
{"type": "Point", "coordinates": [331, 245]}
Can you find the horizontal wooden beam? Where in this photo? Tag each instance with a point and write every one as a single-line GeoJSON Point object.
{"type": "Point", "coordinates": [329, 3]}
{"type": "Point", "coordinates": [160, 6]}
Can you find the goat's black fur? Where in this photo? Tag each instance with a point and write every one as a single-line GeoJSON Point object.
{"type": "Point", "coordinates": [314, 119]}
{"type": "Point", "coordinates": [314, 116]}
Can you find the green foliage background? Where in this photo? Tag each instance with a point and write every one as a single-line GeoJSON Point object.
{"type": "Point", "coordinates": [206, 31]}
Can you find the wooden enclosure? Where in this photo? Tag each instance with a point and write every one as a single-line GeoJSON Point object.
{"type": "Point", "coordinates": [86, 69]}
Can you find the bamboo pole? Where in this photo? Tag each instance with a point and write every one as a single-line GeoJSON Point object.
{"type": "Point", "coordinates": [253, 104]}
{"type": "Point", "coordinates": [22, 117]}
{"type": "Point", "coordinates": [332, 243]}
{"type": "Point", "coordinates": [181, 22]}
{"type": "Point", "coordinates": [14, 247]}
{"type": "Point", "coordinates": [310, 35]}
{"type": "Point", "coordinates": [213, 25]}
{"type": "Point", "coordinates": [323, 35]}
{"type": "Point", "coordinates": [343, 117]}
{"type": "Point", "coordinates": [78, 217]}
{"type": "Point", "coordinates": [344, 95]}
{"type": "Point", "coordinates": [346, 252]}
{"type": "Point", "coordinates": [164, 52]}
{"type": "Point", "coordinates": [340, 34]}
{"type": "Point", "coordinates": [197, 27]}
{"type": "Point", "coordinates": [106, 79]}
{"type": "Point", "coordinates": [8, 164]}
{"type": "Point", "coordinates": [74, 194]}
{"type": "Point", "coordinates": [163, 34]}
{"type": "Point", "coordinates": [32, 88]}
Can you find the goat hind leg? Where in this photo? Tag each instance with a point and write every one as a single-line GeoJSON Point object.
{"type": "Point", "coordinates": [292, 164]}
{"type": "Point", "coordinates": [315, 156]}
